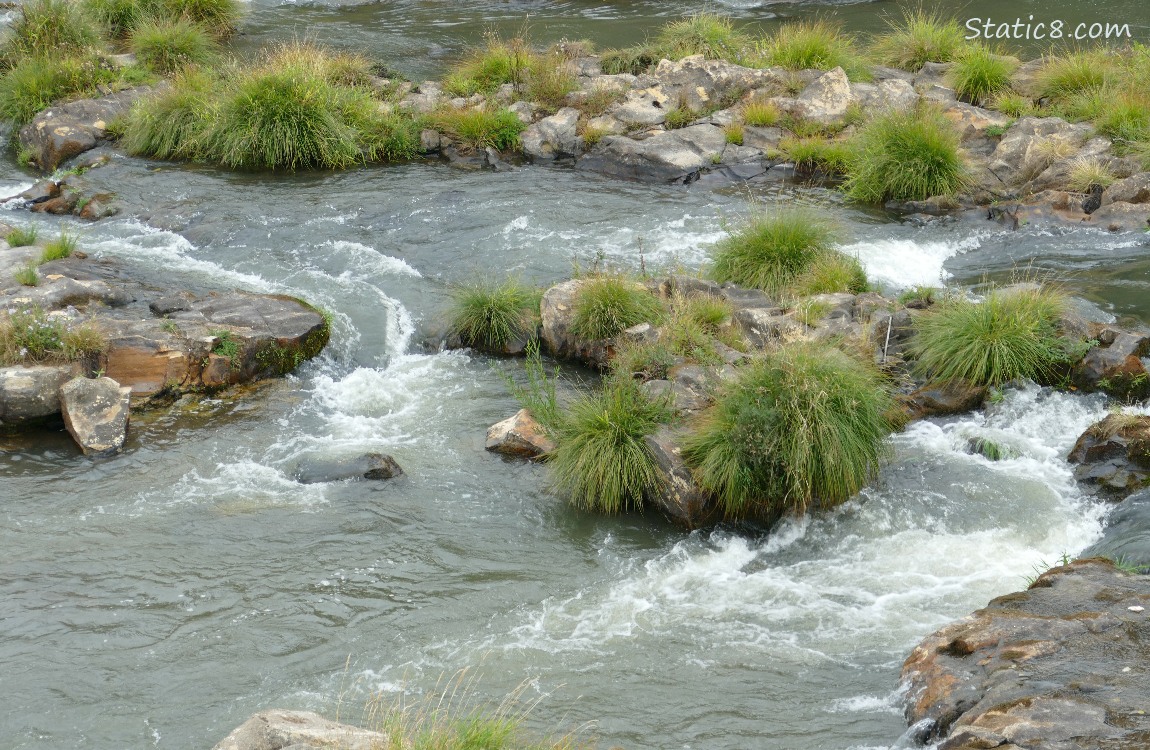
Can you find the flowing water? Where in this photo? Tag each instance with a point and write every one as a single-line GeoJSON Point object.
{"type": "Point", "coordinates": [158, 598]}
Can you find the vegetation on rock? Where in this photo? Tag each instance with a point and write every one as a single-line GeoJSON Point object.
{"type": "Point", "coordinates": [979, 74]}
{"type": "Point", "coordinates": [30, 335]}
{"type": "Point", "coordinates": [607, 305]}
{"type": "Point", "coordinates": [489, 316]}
{"type": "Point", "coordinates": [770, 251]}
{"type": "Point", "coordinates": [919, 37]}
{"type": "Point", "coordinates": [904, 156]}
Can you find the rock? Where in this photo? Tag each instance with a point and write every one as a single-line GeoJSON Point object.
{"type": "Point", "coordinates": [63, 131]}
{"type": "Point", "coordinates": [971, 122]}
{"type": "Point", "coordinates": [1093, 200]}
{"type": "Point", "coordinates": [318, 469]}
{"type": "Point", "coordinates": [762, 326]}
{"type": "Point", "coordinates": [1026, 79]}
{"type": "Point", "coordinates": [1114, 454]}
{"type": "Point", "coordinates": [299, 730]}
{"type": "Point", "coordinates": [555, 314]}
{"type": "Point", "coordinates": [1126, 536]}
{"type": "Point", "coordinates": [943, 399]}
{"type": "Point", "coordinates": [1134, 189]}
{"type": "Point", "coordinates": [932, 74]}
{"type": "Point", "coordinates": [764, 139]}
{"type": "Point", "coordinates": [30, 393]}
{"type": "Point", "coordinates": [699, 84]}
{"type": "Point", "coordinates": [1032, 144]}
{"type": "Point", "coordinates": [679, 498]}
{"type": "Point", "coordinates": [170, 304]}
{"type": "Point", "coordinates": [525, 111]}
{"type": "Point", "coordinates": [519, 435]}
{"type": "Point", "coordinates": [826, 100]}
{"type": "Point", "coordinates": [553, 137]}
{"type": "Point", "coordinates": [430, 141]}
{"type": "Point", "coordinates": [690, 286]}
{"type": "Point", "coordinates": [1116, 367]}
{"type": "Point", "coordinates": [894, 94]}
{"type": "Point", "coordinates": [641, 108]}
{"type": "Point", "coordinates": [675, 156]}
{"type": "Point", "coordinates": [1048, 668]}
{"type": "Point", "coordinates": [1119, 217]}
{"type": "Point", "coordinates": [425, 100]}
{"type": "Point", "coordinates": [741, 297]}
{"type": "Point", "coordinates": [42, 191]}
{"type": "Point", "coordinates": [96, 413]}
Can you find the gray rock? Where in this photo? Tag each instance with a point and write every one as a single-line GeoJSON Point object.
{"type": "Point", "coordinates": [556, 311]}
{"type": "Point", "coordinates": [763, 139]}
{"type": "Point", "coordinates": [29, 393]}
{"type": "Point", "coordinates": [1032, 144]}
{"type": "Point", "coordinates": [1114, 454]}
{"type": "Point", "coordinates": [519, 435]}
{"type": "Point", "coordinates": [668, 157]}
{"type": "Point", "coordinates": [319, 469]}
{"type": "Point", "coordinates": [170, 304]}
{"type": "Point", "coordinates": [1115, 365]}
{"type": "Point", "coordinates": [741, 297]}
{"type": "Point", "coordinates": [96, 413]}
{"type": "Point", "coordinates": [895, 94]}
{"type": "Point", "coordinates": [763, 326]}
{"type": "Point", "coordinates": [932, 74]}
{"type": "Point", "coordinates": [63, 131]}
{"type": "Point", "coordinates": [1134, 189]}
{"type": "Point", "coordinates": [281, 730]}
{"type": "Point", "coordinates": [679, 498]}
{"type": "Point", "coordinates": [700, 84]}
{"type": "Point", "coordinates": [1127, 533]}
{"type": "Point", "coordinates": [553, 137]}
{"type": "Point", "coordinates": [826, 99]}
{"type": "Point", "coordinates": [941, 399]}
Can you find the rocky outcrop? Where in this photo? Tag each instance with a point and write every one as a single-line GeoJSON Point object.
{"type": "Point", "coordinates": [1135, 189]}
{"type": "Point", "coordinates": [552, 137]}
{"type": "Point", "coordinates": [319, 469]}
{"type": "Point", "coordinates": [1114, 454]}
{"type": "Point", "coordinates": [1126, 537]}
{"type": "Point", "coordinates": [67, 130]}
{"type": "Point", "coordinates": [519, 435]}
{"type": "Point", "coordinates": [556, 311]}
{"type": "Point", "coordinates": [32, 393]}
{"type": "Point", "coordinates": [941, 399]}
{"type": "Point", "coordinates": [96, 413]}
{"type": "Point", "coordinates": [1055, 667]}
{"type": "Point", "coordinates": [672, 156]}
{"type": "Point", "coordinates": [1117, 364]}
{"type": "Point", "coordinates": [299, 730]}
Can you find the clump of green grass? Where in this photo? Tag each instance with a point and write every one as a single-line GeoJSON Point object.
{"type": "Point", "coordinates": [23, 236]}
{"type": "Point", "coordinates": [646, 360]}
{"type": "Point", "coordinates": [679, 117]}
{"type": "Point", "coordinates": [1077, 72]}
{"type": "Point", "coordinates": [832, 273]}
{"type": "Point", "coordinates": [43, 27]}
{"type": "Point", "coordinates": [118, 17]}
{"type": "Point", "coordinates": [1013, 104]}
{"type": "Point", "coordinates": [1012, 334]}
{"type": "Point", "coordinates": [174, 123]}
{"type": "Point", "coordinates": [390, 136]}
{"type": "Point", "coordinates": [484, 70]}
{"type": "Point", "coordinates": [34, 83]}
{"type": "Point", "coordinates": [606, 306]}
{"type": "Point", "coordinates": [1086, 172]}
{"type": "Point", "coordinates": [548, 83]}
{"type": "Point", "coordinates": [166, 45]}
{"type": "Point", "coordinates": [978, 73]}
{"type": "Point", "coordinates": [219, 17]}
{"type": "Point", "coordinates": [920, 296]}
{"type": "Point", "coordinates": [1125, 117]}
{"type": "Point", "coordinates": [27, 276]}
{"type": "Point", "coordinates": [59, 248]}
{"type": "Point", "coordinates": [808, 154]}
{"type": "Point", "coordinates": [599, 99]}
{"type": "Point", "coordinates": [601, 462]}
{"type": "Point", "coordinates": [632, 60]}
{"type": "Point", "coordinates": [30, 335]}
{"type": "Point", "coordinates": [761, 114]}
{"type": "Point", "coordinates": [488, 315]}
{"type": "Point", "coordinates": [804, 425]}
{"type": "Point", "coordinates": [734, 133]}
{"type": "Point", "coordinates": [819, 45]}
{"type": "Point", "coordinates": [919, 37]}
{"type": "Point", "coordinates": [538, 395]}
{"type": "Point", "coordinates": [480, 128]}
{"type": "Point", "coordinates": [771, 250]}
{"type": "Point", "coordinates": [707, 34]}
{"type": "Point", "coordinates": [906, 156]}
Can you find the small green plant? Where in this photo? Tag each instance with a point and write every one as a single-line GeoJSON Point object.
{"type": "Point", "coordinates": [811, 312]}
{"type": "Point", "coordinates": [226, 346]}
{"type": "Point", "coordinates": [538, 394]}
{"type": "Point", "coordinates": [1010, 335]}
{"type": "Point", "coordinates": [919, 37]}
{"type": "Point", "coordinates": [734, 133]}
{"type": "Point", "coordinates": [217, 16]}
{"type": "Point", "coordinates": [1125, 118]}
{"type": "Point", "coordinates": [548, 83]}
{"type": "Point", "coordinates": [817, 44]}
{"type": "Point", "coordinates": [809, 154]}
{"type": "Point", "coordinates": [34, 83]}
{"type": "Point", "coordinates": [761, 114]}
{"type": "Point", "coordinates": [489, 316]}
{"type": "Point", "coordinates": [166, 45]}
{"type": "Point", "coordinates": [995, 131]}
{"type": "Point", "coordinates": [49, 27]}
{"type": "Point", "coordinates": [831, 273]}
{"type": "Point", "coordinates": [118, 17]}
{"type": "Point", "coordinates": [23, 236]}
{"type": "Point", "coordinates": [920, 296]}
{"type": "Point", "coordinates": [705, 34]}
{"type": "Point", "coordinates": [175, 123]}
{"type": "Point", "coordinates": [478, 128]}
{"type": "Point", "coordinates": [978, 73]}
{"type": "Point", "coordinates": [30, 335]}
{"type": "Point", "coordinates": [599, 99]}
{"type": "Point", "coordinates": [902, 156]}
{"type": "Point", "coordinates": [632, 60]}
{"type": "Point", "coordinates": [990, 450]}
{"type": "Point", "coordinates": [804, 425]}
{"type": "Point", "coordinates": [679, 117]}
{"type": "Point", "coordinates": [771, 250]}
{"type": "Point", "coordinates": [27, 275]}
{"type": "Point", "coordinates": [61, 247]}
{"type": "Point", "coordinates": [1042, 566]}
{"type": "Point", "coordinates": [1012, 104]}
{"type": "Point", "coordinates": [169, 326]}
{"type": "Point", "coordinates": [601, 461]}
{"type": "Point", "coordinates": [605, 306]}
{"type": "Point", "coordinates": [1077, 72]}
{"type": "Point", "coordinates": [592, 135]}
{"type": "Point", "coordinates": [486, 69]}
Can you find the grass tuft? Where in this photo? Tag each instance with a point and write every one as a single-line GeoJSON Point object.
{"type": "Point", "coordinates": [27, 276]}
{"type": "Point", "coordinates": [808, 154]}
{"type": "Point", "coordinates": [906, 156]}
{"type": "Point", "coordinates": [1077, 72]}
{"type": "Point", "coordinates": [979, 74]}
{"type": "Point", "coordinates": [601, 462]}
{"type": "Point", "coordinates": [1012, 334]}
{"type": "Point", "coordinates": [59, 248]}
{"type": "Point", "coordinates": [608, 305]}
{"type": "Point", "coordinates": [818, 45]}
{"type": "Point", "coordinates": [919, 37]}
{"type": "Point", "coordinates": [760, 114]}
{"type": "Point", "coordinates": [174, 123]}
{"type": "Point", "coordinates": [804, 425]}
{"type": "Point", "coordinates": [23, 236]}
{"type": "Point", "coordinates": [489, 316]}
{"type": "Point", "coordinates": [1088, 171]}
{"type": "Point", "coordinates": [30, 336]}
{"type": "Point", "coordinates": [166, 45]}
{"type": "Point", "coordinates": [706, 34]}
{"type": "Point", "coordinates": [479, 128]}
{"type": "Point", "coordinates": [832, 273]}
{"type": "Point", "coordinates": [35, 83]}
{"type": "Point", "coordinates": [49, 27]}
{"type": "Point", "coordinates": [632, 60]}
{"type": "Point", "coordinates": [771, 250]}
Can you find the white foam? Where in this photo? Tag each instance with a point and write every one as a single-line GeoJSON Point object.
{"type": "Point", "coordinates": [236, 486]}
{"type": "Point", "coordinates": [904, 263]}
{"type": "Point", "coordinates": [367, 260]}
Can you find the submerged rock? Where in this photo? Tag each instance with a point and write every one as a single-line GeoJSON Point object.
{"type": "Point", "coordinates": [673, 156]}
{"type": "Point", "coordinates": [1126, 537]}
{"type": "Point", "coordinates": [1056, 667]}
{"type": "Point", "coordinates": [319, 469]}
{"type": "Point", "coordinates": [519, 435]}
{"type": "Point", "coordinates": [1114, 454]}
{"type": "Point", "coordinates": [943, 398]}
{"type": "Point", "coordinates": [299, 730]}
{"type": "Point", "coordinates": [96, 413]}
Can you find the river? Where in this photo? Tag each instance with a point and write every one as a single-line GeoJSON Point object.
{"type": "Point", "coordinates": [160, 597]}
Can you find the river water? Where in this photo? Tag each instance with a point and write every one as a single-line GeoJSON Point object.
{"type": "Point", "coordinates": [158, 598]}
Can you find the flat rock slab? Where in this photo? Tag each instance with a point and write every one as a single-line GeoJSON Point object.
{"type": "Point", "coordinates": [299, 730]}
{"type": "Point", "coordinates": [669, 157]}
{"type": "Point", "coordinates": [1059, 666]}
{"type": "Point", "coordinates": [96, 413]}
{"type": "Point", "coordinates": [28, 393]}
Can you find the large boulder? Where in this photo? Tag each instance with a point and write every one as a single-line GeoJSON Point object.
{"type": "Point", "coordinates": [1055, 667]}
{"type": "Point", "coordinates": [700, 84]}
{"type": "Point", "coordinates": [552, 137]}
{"type": "Point", "coordinates": [1127, 533]}
{"type": "Point", "coordinates": [1032, 145]}
{"type": "Point", "coordinates": [67, 130]}
{"type": "Point", "coordinates": [96, 413]}
{"type": "Point", "coordinates": [299, 730]}
{"type": "Point", "coordinates": [674, 156]}
{"type": "Point", "coordinates": [556, 312]}
{"type": "Point", "coordinates": [1116, 364]}
{"type": "Point", "coordinates": [31, 393]}
{"type": "Point", "coordinates": [1114, 454]}
{"type": "Point", "coordinates": [824, 101]}
{"type": "Point", "coordinates": [1135, 189]}
{"type": "Point", "coordinates": [894, 94]}
{"type": "Point", "coordinates": [519, 435]}
{"type": "Point", "coordinates": [942, 399]}
{"type": "Point", "coordinates": [678, 498]}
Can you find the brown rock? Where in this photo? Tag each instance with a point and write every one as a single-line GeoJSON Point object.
{"type": "Point", "coordinates": [96, 413]}
{"type": "Point", "coordinates": [940, 399]}
{"type": "Point", "coordinates": [67, 130]}
{"type": "Point", "coordinates": [1115, 365]}
{"type": "Point", "coordinates": [679, 498]}
{"type": "Point", "coordinates": [519, 435]}
{"type": "Point", "coordinates": [1114, 454]}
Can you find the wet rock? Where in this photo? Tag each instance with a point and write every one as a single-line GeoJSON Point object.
{"type": "Point", "coordinates": [675, 156]}
{"type": "Point", "coordinates": [519, 435]}
{"type": "Point", "coordinates": [42, 191]}
{"type": "Point", "coordinates": [170, 304]}
{"type": "Point", "coordinates": [556, 311]}
{"type": "Point", "coordinates": [318, 469]}
{"type": "Point", "coordinates": [32, 393]}
{"type": "Point", "coordinates": [971, 122]}
{"type": "Point", "coordinates": [1127, 533]}
{"type": "Point", "coordinates": [891, 332]}
{"type": "Point", "coordinates": [1123, 217]}
{"type": "Point", "coordinates": [96, 413]}
{"type": "Point", "coordinates": [941, 399]}
{"type": "Point", "coordinates": [1116, 364]}
{"type": "Point", "coordinates": [1046, 668]}
{"type": "Point", "coordinates": [298, 730]}
{"type": "Point", "coordinates": [689, 286]}
{"type": "Point", "coordinates": [679, 498]}
{"type": "Point", "coordinates": [1134, 189]}
{"type": "Point", "coordinates": [1114, 454]}
{"type": "Point", "coordinates": [553, 137]}
{"type": "Point", "coordinates": [69, 129]}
